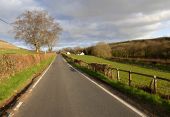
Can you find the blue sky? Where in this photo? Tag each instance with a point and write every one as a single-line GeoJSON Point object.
{"type": "Point", "coordinates": [87, 22]}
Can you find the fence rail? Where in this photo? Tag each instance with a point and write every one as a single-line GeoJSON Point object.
{"type": "Point", "coordinates": [115, 73]}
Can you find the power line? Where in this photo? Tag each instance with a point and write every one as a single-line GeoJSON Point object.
{"type": "Point", "coordinates": [4, 21]}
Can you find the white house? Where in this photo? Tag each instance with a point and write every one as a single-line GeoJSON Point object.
{"type": "Point", "coordinates": [82, 53]}
{"type": "Point", "coordinates": [68, 53]}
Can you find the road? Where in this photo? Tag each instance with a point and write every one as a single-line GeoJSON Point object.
{"type": "Point", "coordinates": [63, 92]}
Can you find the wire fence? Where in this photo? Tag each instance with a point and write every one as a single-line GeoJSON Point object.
{"type": "Point", "coordinates": [149, 83]}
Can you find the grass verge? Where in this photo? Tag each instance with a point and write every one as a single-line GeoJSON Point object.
{"type": "Point", "coordinates": [10, 86]}
{"type": "Point", "coordinates": [153, 103]}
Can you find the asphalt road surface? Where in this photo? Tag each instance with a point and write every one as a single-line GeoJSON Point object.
{"type": "Point", "coordinates": [63, 92]}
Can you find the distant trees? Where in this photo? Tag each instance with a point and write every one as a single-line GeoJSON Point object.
{"type": "Point", "coordinates": [37, 28]}
{"type": "Point", "coordinates": [158, 48]}
{"type": "Point", "coordinates": [154, 48]}
{"type": "Point", "coordinates": [101, 50]}
{"type": "Point", "coordinates": [148, 49]}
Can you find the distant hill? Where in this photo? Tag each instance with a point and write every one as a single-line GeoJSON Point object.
{"type": "Point", "coordinates": [157, 48]}
{"type": "Point", "coordinates": [6, 45]}
{"type": "Point", "coordinates": [7, 48]}
{"type": "Point", "coordinates": [141, 41]}
{"type": "Point", "coordinates": [146, 48]}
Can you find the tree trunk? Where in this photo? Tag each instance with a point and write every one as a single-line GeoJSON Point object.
{"type": "Point", "coordinates": [37, 49]}
{"type": "Point", "coordinates": [50, 48]}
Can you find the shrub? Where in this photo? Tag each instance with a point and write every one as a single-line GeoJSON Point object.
{"type": "Point", "coordinates": [102, 50]}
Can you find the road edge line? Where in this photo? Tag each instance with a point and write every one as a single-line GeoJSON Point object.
{"type": "Point", "coordinates": [18, 106]}
{"type": "Point", "coordinates": [111, 94]}
{"type": "Point", "coordinates": [20, 103]}
{"type": "Point", "coordinates": [42, 75]}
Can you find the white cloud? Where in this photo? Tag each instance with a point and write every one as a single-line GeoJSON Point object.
{"type": "Point", "coordinates": [141, 18]}
{"type": "Point", "coordinates": [10, 9]}
{"type": "Point", "coordinates": [90, 21]}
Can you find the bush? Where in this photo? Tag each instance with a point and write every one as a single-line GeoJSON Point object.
{"type": "Point", "coordinates": [102, 50]}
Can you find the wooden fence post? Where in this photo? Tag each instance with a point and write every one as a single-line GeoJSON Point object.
{"type": "Point", "coordinates": [155, 84]}
{"type": "Point", "coordinates": [112, 76]}
{"type": "Point", "coordinates": [96, 69]}
{"type": "Point", "coordinates": [105, 72]}
{"type": "Point", "coordinates": [130, 78]}
{"type": "Point", "coordinates": [87, 66]}
{"type": "Point", "coordinates": [108, 72]}
{"type": "Point", "coordinates": [90, 66]}
{"type": "Point", "coordinates": [118, 77]}
{"type": "Point", "coordinates": [151, 84]}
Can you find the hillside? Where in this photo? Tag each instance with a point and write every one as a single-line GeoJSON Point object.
{"type": "Point", "coordinates": [148, 48]}
{"type": "Point", "coordinates": [157, 48]}
{"type": "Point", "coordinates": [6, 45]}
{"type": "Point", "coordinates": [7, 48]}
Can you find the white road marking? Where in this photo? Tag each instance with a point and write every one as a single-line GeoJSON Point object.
{"type": "Point", "coordinates": [41, 76]}
{"type": "Point", "coordinates": [17, 107]}
{"type": "Point", "coordinates": [30, 90]}
{"type": "Point", "coordinates": [111, 94]}
{"type": "Point", "coordinates": [64, 60]}
{"type": "Point", "coordinates": [20, 103]}
{"type": "Point", "coordinates": [11, 115]}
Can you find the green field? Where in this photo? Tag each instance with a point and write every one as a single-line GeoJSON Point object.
{"type": "Point", "coordinates": [137, 80]}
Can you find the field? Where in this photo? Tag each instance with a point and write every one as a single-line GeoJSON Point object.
{"type": "Point", "coordinates": [7, 48]}
{"type": "Point", "coordinates": [6, 45]}
{"type": "Point", "coordinates": [137, 80]}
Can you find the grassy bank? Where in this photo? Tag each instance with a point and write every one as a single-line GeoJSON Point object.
{"type": "Point", "coordinates": [12, 85]}
{"type": "Point", "coordinates": [150, 102]}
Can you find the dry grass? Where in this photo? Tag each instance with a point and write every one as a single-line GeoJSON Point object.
{"type": "Point", "coordinates": [7, 48]}
{"type": "Point", "coordinates": [6, 45]}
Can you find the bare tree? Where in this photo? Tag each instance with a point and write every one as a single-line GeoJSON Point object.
{"type": "Point", "coordinates": [52, 35]}
{"type": "Point", "coordinates": [37, 28]}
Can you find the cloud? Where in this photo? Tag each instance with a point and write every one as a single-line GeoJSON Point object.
{"type": "Point", "coordinates": [10, 9]}
{"type": "Point", "coordinates": [107, 20]}
{"type": "Point", "coordinates": [87, 22]}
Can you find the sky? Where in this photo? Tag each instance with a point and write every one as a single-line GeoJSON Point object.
{"type": "Point", "coordinates": [87, 22]}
